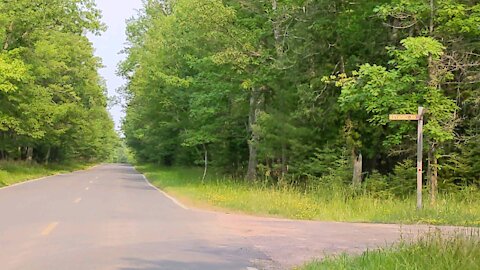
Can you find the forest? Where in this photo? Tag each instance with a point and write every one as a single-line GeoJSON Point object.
{"type": "Point", "coordinates": [298, 92]}
{"type": "Point", "coordinates": [256, 111]}
{"type": "Point", "coordinates": [53, 104]}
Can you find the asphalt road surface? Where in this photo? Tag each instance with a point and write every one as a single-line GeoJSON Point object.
{"type": "Point", "coordinates": [110, 218]}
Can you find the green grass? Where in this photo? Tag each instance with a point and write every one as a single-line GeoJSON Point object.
{"type": "Point", "coordinates": [432, 251]}
{"type": "Point", "coordinates": [16, 172]}
{"type": "Point", "coordinates": [327, 204]}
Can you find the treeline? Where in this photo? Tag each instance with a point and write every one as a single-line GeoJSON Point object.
{"type": "Point", "coordinates": [52, 100]}
{"type": "Point", "coordinates": [300, 91]}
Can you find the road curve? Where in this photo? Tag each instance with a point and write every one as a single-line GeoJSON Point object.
{"type": "Point", "coordinates": [110, 218]}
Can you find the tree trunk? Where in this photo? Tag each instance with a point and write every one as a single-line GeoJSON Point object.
{"type": "Point", "coordinates": [256, 102]}
{"type": "Point", "coordinates": [279, 48]}
{"type": "Point", "coordinates": [284, 160]}
{"type": "Point", "coordinates": [434, 83]}
{"type": "Point", "coordinates": [7, 38]}
{"type": "Point", "coordinates": [277, 30]}
{"type": "Point", "coordinates": [357, 168]}
{"type": "Point", "coordinates": [433, 174]}
{"type": "Point", "coordinates": [434, 180]}
{"type": "Point", "coordinates": [47, 156]}
{"type": "Point", "coordinates": [432, 80]}
{"type": "Point", "coordinates": [29, 157]}
{"type": "Point", "coordinates": [205, 162]}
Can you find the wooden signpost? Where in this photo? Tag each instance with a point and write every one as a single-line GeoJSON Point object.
{"type": "Point", "coordinates": [415, 117]}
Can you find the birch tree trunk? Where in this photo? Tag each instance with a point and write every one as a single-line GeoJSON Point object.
{"type": "Point", "coordinates": [256, 104]}
{"type": "Point", "coordinates": [29, 154]}
{"type": "Point", "coordinates": [432, 174]}
{"type": "Point", "coordinates": [47, 156]}
{"type": "Point", "coordinates": [205, 150]}
{"type": "Point", "coordinates": [357, 169]}
{"type": "Point", "coordinates": [7, 38]}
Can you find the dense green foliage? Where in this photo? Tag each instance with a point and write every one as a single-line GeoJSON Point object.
{"type": "Point", "coordinates": [299, 92]}
{"type": "Point", "coordinates": [432, 251]}
{"type": "Point", "coordinates": [122, 154]}
{"type": "Point", "coordinates": [52, 100]}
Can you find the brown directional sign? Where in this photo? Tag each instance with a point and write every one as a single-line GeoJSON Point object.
{"type": "Point", "coordinates": [404, 117]}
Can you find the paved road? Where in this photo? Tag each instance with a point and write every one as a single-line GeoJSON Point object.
{"type": "Point", "coordinates": [110, 218]}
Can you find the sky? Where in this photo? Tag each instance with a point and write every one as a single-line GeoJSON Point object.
{"type": "Point", "coordinates": [110, 43]}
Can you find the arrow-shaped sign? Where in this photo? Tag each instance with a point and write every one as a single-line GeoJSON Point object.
{"type": "Point", "coordinates": [404, 117]}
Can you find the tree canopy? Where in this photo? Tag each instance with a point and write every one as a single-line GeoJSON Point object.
{"type": "Point", "coordinates": [294, 91]}
{"type": "Point", "coordinates": [52, 99]}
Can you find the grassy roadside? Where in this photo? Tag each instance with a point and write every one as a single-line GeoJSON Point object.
{"type": "Point", "coordinates": [327, 205]}
{"type": "Point", "coordinates": [432, 251]}
{"type": "Point", "coordinates": [16, 172]}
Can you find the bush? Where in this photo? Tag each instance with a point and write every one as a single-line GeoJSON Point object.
{"type": "Point", "coordinates": [403, 180]}
{"type": "Point", "coordinates": [377, 185]}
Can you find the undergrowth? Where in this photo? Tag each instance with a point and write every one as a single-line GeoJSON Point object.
{"type": "Point", "coordinates": [328, 202]}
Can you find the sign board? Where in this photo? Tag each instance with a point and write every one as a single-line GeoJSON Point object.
{"type": "Point", "coordinates": [404, 117]}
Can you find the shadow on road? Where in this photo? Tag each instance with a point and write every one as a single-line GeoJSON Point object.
{"type": "Point", "coordinates": [170, 265]}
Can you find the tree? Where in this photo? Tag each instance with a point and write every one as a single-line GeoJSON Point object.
{"type": "Point", "coordinates": [53, 103]}
{"type": "Point", "coordinates": [455, 23]}
{"type": "Point", "coordinates": [379, 91]}
{"type": "Point", "coordinates": [238, 85]}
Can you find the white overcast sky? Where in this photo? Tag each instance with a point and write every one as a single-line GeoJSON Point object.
{"type": "Point", "coordinates": [109, 45]}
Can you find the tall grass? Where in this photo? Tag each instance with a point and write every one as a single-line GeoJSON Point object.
{"type": "Point", "coordinates": [12, 172]}
{"type": "Point", "coordinates": [432, 251]}
{"type": "Point", "coordinates": [328, 203]}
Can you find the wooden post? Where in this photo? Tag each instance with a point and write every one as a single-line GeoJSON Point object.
{"type": "Point", "coordinates": [420, 159]}
{"type": "Point", "coordinates": [415, 117]}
